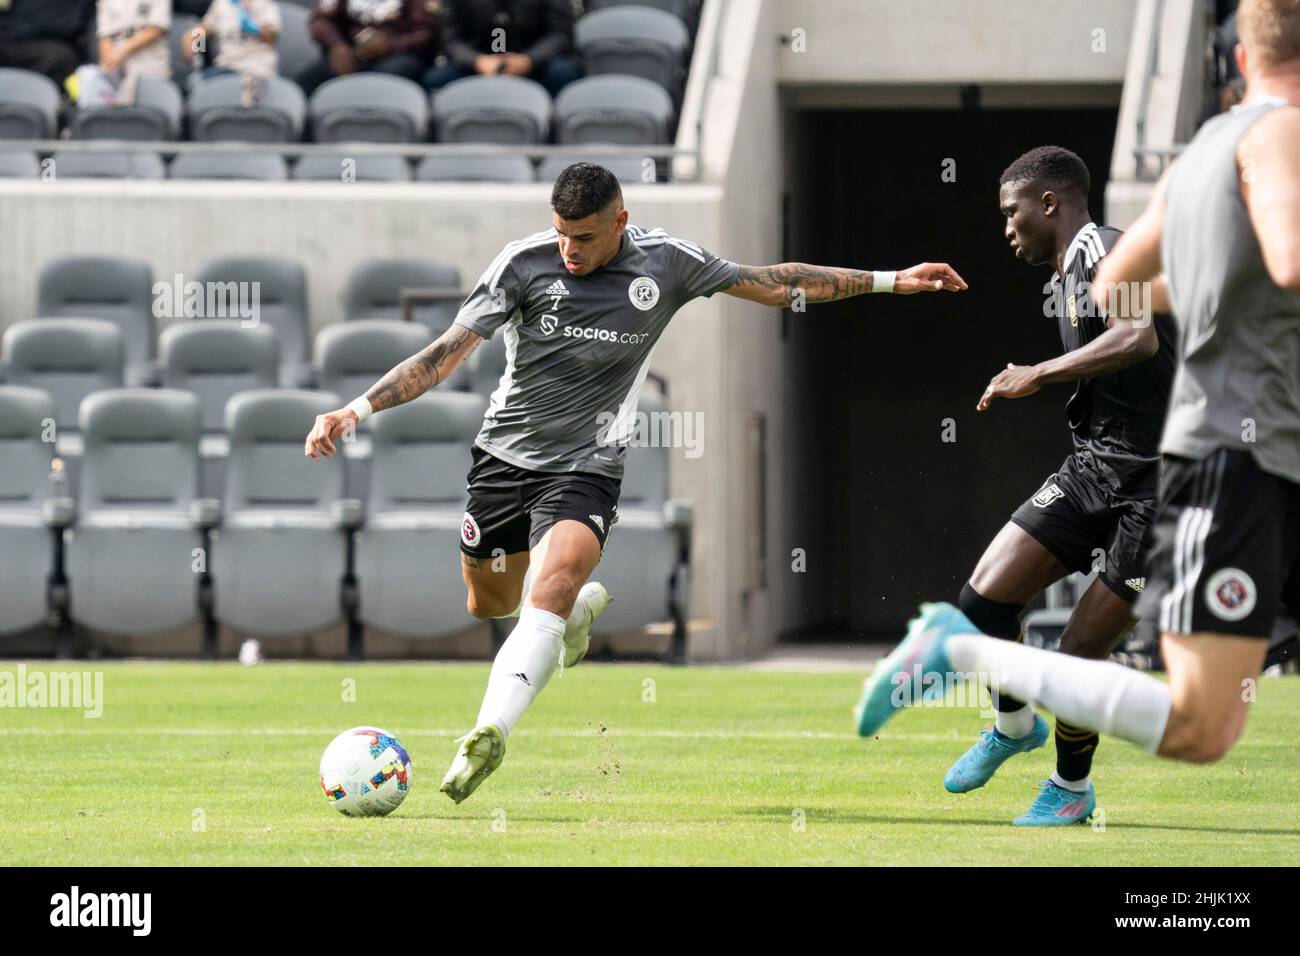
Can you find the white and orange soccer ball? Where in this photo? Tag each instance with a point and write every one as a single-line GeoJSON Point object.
{"type": "Point", "coordinates": [365, 772]}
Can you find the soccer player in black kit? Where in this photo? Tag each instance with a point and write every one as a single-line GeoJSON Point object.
{"type": "Point", "coordinates": [1093, 513]}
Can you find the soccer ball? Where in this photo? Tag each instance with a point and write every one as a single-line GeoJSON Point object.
{"type": "Point", "coordinates": [365, 772]}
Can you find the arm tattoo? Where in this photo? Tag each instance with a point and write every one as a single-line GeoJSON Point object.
{"type": "Point", "coordinates": [819, 283]}
{"type": "Point", "coordinates": [423, 370]}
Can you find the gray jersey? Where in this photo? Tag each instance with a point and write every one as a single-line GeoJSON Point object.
{"type": "Point", "coordinates": [578, 347]}
{"type": "Point", "coordinates": [1238, 379]}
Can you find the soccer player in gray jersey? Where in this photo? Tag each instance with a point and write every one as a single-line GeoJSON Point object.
{"type": "Point", "coordinates": [581, 307]}
{"type": "Point", "coordinates": [1224, 223]}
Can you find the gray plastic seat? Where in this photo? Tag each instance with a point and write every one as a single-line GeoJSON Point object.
{"type": "Point", "coordinates": [26, 541]}
{"type": "Point", "coordinates": [339, 167]}
{"type": "Point", "coordinates": [109, 288]}
{"type": "Point", "coordinates": [130, 555]}
{"type": "Point", "coordinates": [352, 356]}
{"type": "Point", "coordinates": [492, 109]}
{"type": "Point", "coordinates": [374, 291]}
{"type": "Point", "coordinates": [479, 169]}
{"type": "Point", "coordinates": [108, 165]}
{"type": "Point", "coordinates": [642, 560]}
{"type": "Point", "coordinates": [216, 359]}
{"type": "Point", "coordinates": [629, 170]}
{"type": "Point", "coordinates": [68, 358]}
{"type": "Point", "coordinates": [626, 110]}
{"type": "Point", "coordinates": [155, 115]}
{"type": "Point", "coordinates": [216, 111]}
{"type": "Point", "coordinates": [369, 108]}
{"type": "Point", "coordinates": [279, 554]}
{"type": "Point", "coordinates": [29, 105]}
{"type": "Point", "coordinates": [634, 40]}
{"type": "Point", "coordinates": [281, 305]}
{"type": "Point", "coordinates": [19, 165]}
{"type": "Point", "coordinates": [685, 10]}
{"type": "Point", "coordinates": [294, 47]}
{"type": "Point", "coordinates": [408, 557]}
{"type": "Point", "coordinates": [265, 167]}
{"type": "Point", "coordinates": [487, 364]}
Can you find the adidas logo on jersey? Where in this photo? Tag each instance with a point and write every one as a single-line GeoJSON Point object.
{"type": "Point", "coordinates": [598, 521]}
{"type": "Point", "coordinates": [557, 288]}
{"type": "Point", "coordinates": [1137, 584]}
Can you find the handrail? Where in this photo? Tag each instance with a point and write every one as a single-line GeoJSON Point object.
{"type": "Point", "coordinates": [1140, 150]}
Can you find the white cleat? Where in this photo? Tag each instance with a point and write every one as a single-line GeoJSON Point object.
{"type": "Point", "coordinates": [592, 601]}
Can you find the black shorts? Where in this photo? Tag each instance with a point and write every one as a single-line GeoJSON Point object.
{"type": "Point", "coordinates": [1087, 527]}
{"type": "Point", "coordinates": [511, 508]}
{"type": "Point", "coordinates": [1226, 554]}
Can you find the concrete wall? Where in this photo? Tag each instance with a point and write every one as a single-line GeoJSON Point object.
{"type": "Point", "coordinates": [952, 41]}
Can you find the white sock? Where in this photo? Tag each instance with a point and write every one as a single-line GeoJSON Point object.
{"type": "Point", "coordinates": [1015, 723]}
{"type": "Point", "coordinates": [522, 668]}
{"type": "Point", "coordinates": [1100, 695]}
{"type": "Point", "coordinates": [1078, 786]}
{"type": "Point", "coordinates": [578, 616]}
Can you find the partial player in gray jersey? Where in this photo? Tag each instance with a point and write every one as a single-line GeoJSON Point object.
{"type": "Point", "coordinates": [1225, 567]}
{"type": "Point", "coordinates": [581, 306]}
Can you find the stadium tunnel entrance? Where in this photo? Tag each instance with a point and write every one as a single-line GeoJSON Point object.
{"type": "Point", "coordinates": [897, 482]}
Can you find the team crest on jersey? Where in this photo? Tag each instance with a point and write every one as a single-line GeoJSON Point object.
{"type": "Point", "coordinates": [469, 530]}
{"type": "Point", "coordinates": [1230, 594]}
{"type": "Point", "coordinates": [1073, 311]}
{"type": "Point", "coordinates": [1047, 495]}
{"type": "Point", "coordinates": [643, 292]}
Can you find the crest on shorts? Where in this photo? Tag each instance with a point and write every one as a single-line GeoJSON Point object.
{"type": "Point", "coordinates": [469, 530]}
{"type": "Point", "coordinates": [1047, 495]}
{"type": "Point", "coordinates": [643, 292]}
{"type": "Point", "coordinates": [1230, 594]}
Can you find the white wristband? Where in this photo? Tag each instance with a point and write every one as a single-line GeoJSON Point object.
{"type": "Point", "coordinates": [882, 281]}
{"type": "Point", "coordinates": [361, 406]}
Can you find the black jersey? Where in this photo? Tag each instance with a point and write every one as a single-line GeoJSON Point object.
{"type": "Point", "coordinates": [1116, 419]}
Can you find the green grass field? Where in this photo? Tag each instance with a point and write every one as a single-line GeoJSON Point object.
{"type": "Point", "coordinates": [626, 764]}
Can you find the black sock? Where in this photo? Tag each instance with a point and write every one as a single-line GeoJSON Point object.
{"type": "Point", "coordinates": [995, 619]}
{"type": "Point", "coordinates": [1074, 750]}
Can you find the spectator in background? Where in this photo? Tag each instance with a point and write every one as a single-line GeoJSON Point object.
{"type": "Point", "coordinates": [194, 8]}
{"type": "Point", "coordinates": [132, 43]}
{"type": "Point", "coordinates": [45, 36]}
{"type": "Point", "coordinates": [245, 30]}
{"type": "Point", "coordinates": [532, 38]}
{"type": "Point", "coordinates": [387, 36]}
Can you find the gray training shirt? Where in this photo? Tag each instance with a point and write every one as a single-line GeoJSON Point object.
{"type": "Point", "coordinates": [1238, 384]}
{"type": "Point", "coordinates": [578, 347]}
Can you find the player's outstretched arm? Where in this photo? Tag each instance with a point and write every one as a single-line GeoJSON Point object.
{"type": "Point", "coordinates": [411, 379]}
{"type": "Point", "coordinates": [782, 285]}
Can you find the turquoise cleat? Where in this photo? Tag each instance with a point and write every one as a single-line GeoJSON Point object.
{"type": "Point", "coordinates": [897, 679]}
{"type": "Point", "coordinates": [1057, 807]}
{"type": "Point", "coordinates": [977, 766]}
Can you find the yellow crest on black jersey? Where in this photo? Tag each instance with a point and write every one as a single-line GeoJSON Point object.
{"type": "Point", "coordinates": [1074, 313]}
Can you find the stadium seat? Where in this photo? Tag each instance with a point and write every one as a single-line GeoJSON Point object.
{"type": "Point", "coordinates": [184, 72]}
{"type": "Point", "coordinates": [280, 553]}
{"type": "Point", "coordinates": [629, 170]}
{"type": "Point", "coordinates": [216, 111]}
{"type": "Point", "coordinates": [26, 539]}
{"type": "Point", "coordinates": [19, 165]}
{"type": "Point", "coordinates": [634, 40]}
{"type": "Point", "coordinates": [216, 359]}
{"type": "Point", "coordinates": [267, 167]}
{"type": "Point", "coordinates": [374, 291]}
{"type": "Point", "coordinates": [281, 303]}
{"type": "Point", "coordinates": [492, 109]}
{"type": "Point", "coordinates": [408, 558]}
{"type": "Point", "coordinates": [369, 108]}
{"type": "Point", "coordinates": [351, 356]}
{"type": "Point", "coordinates": [109, 288]}
{"type": "Point", "coordinates": [295, 49]}
{"type": "Point", "coordinates": [480, 169]}
{"type": "Point", "coordinates": [155, 115]}
{"type": "Point", "coordinates": [645, 559]}
{"type": "Point", "coordinates": [684, 10]}
{"type": "Point", "coordinates": [339, 167]}
{"type": "Point", "coordinates": [625, 110]}
{"type": "Point", "coordinates": [108, 165]}
{"type": "Point", "coordinates": [130, 554]}
{"type": "Point", "coordinates": [29, 105]}
{"type": "Point", "coordinates": [487, 364]}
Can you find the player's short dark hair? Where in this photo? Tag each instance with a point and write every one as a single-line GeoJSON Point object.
{"type": "Point", "coordinates": [583, 189]}
{"type": "Point", "coordinates": [1051, 167]}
